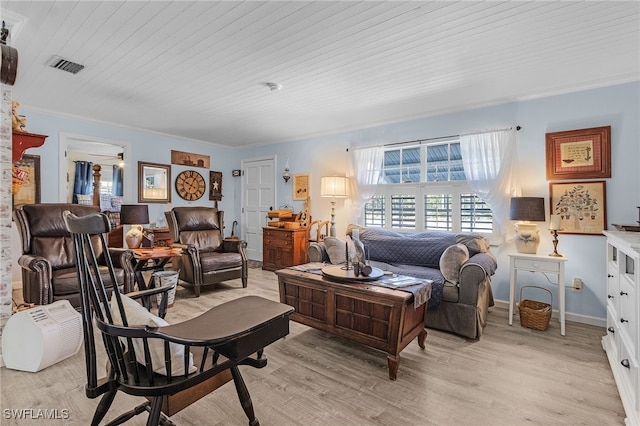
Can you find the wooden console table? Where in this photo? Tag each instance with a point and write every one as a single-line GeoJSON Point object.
{"type": "Point", "coordinates": [379, 317]}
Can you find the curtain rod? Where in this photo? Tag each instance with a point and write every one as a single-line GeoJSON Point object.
{"type": "Point", "coordinates": [420, 141]}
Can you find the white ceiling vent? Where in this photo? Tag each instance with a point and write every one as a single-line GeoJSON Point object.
{"type": "Point", "coordinates": [65, 65]}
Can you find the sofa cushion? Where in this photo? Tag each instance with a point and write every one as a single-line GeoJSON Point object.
{"type": "Point", "coordinates": [138, 316]}
{"type": "Point", "coordinates": [451, 261]}
{"type": "Point", "coordinates": [336, 250]}
{"type": "Point", "coordinates": [476, 243]}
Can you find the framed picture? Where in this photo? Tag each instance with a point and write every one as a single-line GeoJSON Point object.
{"type": "Point", "coordinates": [25, 180]}
{"type": "Point", "coordinates": [215, 186]}
{"type": "Point", "coordinates": [300, 187]}
{"type": "Point", "coordinates": [579, 154]}
{"type": "Point", "coordinates": [582, 206]}
{"type": "Point", "coordinates": [154, 182]}
{"type": "Point", "coordinates": [190, 159]}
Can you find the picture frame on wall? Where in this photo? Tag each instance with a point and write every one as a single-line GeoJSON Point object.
{"type": "Point", "coordinates": [582, 206]}
{"type": "Point", "coordinates": [215, 186]}
{"type": "Point", "coordinates": [25, 181]}
{"type": "Point", "coordinates": [579, 154]}
{"type": "Point", "coordinates": [301, 186]}
{"type": "Point", "coordinates": [190, 159]}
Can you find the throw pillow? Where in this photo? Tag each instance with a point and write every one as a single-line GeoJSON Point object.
{"type": "Point", "coordinates": [451, 261]}
{"type": "Point", "coordinates": [475, 243]}
{"type": "Point", "coordinates": [138, 316]}
{"type": "Point", "coordinates": [336, 250]}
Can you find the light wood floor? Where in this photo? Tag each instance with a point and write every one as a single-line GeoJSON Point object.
{"type": "Point", "coordinates": [512, 376]}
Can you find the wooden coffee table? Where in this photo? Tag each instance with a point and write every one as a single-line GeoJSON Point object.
{"type": "Point", "coordinates": [379, 317]}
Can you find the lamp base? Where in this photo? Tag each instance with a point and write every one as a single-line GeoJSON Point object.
{"type": "Point", "coordinates": [555, 244]}
{"type": "Point", "coordinates": [527, 238]}
{"type": "Point", "coordinates": [134, 237]}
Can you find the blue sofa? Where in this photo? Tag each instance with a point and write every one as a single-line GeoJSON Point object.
{"type": "Point", "coordinates": [461, 289]}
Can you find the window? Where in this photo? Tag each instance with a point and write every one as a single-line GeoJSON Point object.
{"type": "Point", "coordinates": [424, 188]}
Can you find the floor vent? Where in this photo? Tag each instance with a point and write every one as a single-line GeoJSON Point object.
{"type": "Point", "coordinates": [65, 65]}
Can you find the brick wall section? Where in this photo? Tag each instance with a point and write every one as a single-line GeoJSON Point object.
{"type": "Point", "coordinates": [5, 208]}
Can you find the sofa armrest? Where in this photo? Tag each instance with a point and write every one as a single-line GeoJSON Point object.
{"type": "Point", "coordinates": [318, 253]}
{"type": "Point", "coordinates": [473, 274]}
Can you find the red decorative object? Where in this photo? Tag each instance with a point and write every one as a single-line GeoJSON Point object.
{"type": "Point", "coordinates": [23, 141]}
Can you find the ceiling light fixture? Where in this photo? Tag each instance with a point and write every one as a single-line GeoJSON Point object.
{"type": "Point", "coordinates": [274, 86]}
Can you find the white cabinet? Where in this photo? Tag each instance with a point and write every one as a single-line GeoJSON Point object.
{"type": "Point", "coordinates": [623, 319]}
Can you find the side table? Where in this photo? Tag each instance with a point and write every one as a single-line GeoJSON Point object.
{"type": "Point", "coordinates": [534, 263]}
{"type": "Point", "coordinates": [150, 259]}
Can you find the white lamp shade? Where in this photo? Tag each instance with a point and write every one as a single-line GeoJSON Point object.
{"type": "Point", "coordinates": [334, 186]}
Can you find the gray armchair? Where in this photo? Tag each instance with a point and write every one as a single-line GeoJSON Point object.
{"type": "Point", "coordinates": [207, 258]}
{"type": "Point", "coordinates": [48, 256]}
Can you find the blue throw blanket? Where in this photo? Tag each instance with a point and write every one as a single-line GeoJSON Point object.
{"type": "Point", "coordinates": [415, 254]}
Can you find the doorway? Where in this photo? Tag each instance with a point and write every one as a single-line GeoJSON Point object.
{"type": "Point", "coordinates": [104, 152]}
{"type": "Point", "coordinates": [258, 197]}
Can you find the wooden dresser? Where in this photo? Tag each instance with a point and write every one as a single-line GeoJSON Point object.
{"type": "Point", "coordinates": [283, 247]}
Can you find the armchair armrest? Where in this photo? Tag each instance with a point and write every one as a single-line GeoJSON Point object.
{"type": "Point", "coordinates": [123, 258]}
{"type": "Point", "coordinates": [474, 273]}
{"type": "Point", "coordinates": [257, 323]}
{"type": "Point", "coordinates": [234, 245]}
{"type": "Point", "coordinates": [145, 295]}
{"type": "Point", "coordinates": [36, 279]}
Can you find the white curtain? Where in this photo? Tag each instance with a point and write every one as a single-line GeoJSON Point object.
{"type": "Point", "coordinates": [490, 162]}
{"type": "Point", "coordinates": [366, 166]}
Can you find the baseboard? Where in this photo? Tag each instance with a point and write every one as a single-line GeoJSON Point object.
{"type": "Point", "coordinates": [582, 319]}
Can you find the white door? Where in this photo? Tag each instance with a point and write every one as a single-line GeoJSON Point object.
{"type": "Point", "coordinates": [259, 195]}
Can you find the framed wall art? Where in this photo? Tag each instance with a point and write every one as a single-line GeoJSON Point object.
{"type": "Point", "coordinates": [215, 186]}
{"type": "Point", "coordinates": [582, 206]}
{"type": "Point", "coordinates": [154, 182]}
{"type": "Point", "coordinates": [300, 186]}
{"type": "Point", "coordinates": [579, 154]}
{"type": "Point", "coordinates": [190, 159]}
{"type": "Point", "coordinates": [25, 180]}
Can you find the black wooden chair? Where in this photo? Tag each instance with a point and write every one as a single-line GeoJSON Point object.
{"type": "Point", "coordinates": [171, 365]}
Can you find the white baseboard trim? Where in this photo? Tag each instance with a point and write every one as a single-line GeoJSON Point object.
{"type": "Point", "coordinates": [582, 319]}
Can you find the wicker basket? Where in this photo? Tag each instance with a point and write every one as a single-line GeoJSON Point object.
{"type": "Point", "coordinates": [534, 314]}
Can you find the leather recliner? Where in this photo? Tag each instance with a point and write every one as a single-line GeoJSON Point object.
{"type": "Point", "coordinates": [48, 256]}
{"type": "Point", "coordinates": [207, 258]}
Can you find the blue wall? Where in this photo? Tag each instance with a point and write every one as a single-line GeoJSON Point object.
{"type": "Point", "coordinates": [617, 106]}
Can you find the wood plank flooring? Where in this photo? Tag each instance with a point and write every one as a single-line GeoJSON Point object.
{"type": "Point", "coordinates": [512, 376]}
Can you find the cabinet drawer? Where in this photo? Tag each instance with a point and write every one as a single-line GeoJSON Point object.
{"type": "Point", "coordinates": [537, 265]}
{"type": "Point", "coordinates": [275, 235]}
{"type": "Point", "coordinates": [274, 242]}
{"type": "Point", "coordinates": [627, 313]}
{"type": "Point", "coordinates": [630, 373]}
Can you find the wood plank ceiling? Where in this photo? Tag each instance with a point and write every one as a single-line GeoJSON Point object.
{"type": "Point", "coordinates": [197, 69]}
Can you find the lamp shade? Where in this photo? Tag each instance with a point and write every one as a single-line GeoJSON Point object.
{"type": "Point", "coordinates": [334, 186]}
{"type": "Point", "coordinates": [134, 214]}
{"type": "Point", "coordinates": [527, 208]}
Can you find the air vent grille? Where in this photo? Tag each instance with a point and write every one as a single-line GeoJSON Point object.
{"type": "Point", "coordinates": [65, 65]}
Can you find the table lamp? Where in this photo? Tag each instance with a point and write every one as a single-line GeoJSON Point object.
{"type": "Point", "coordinates": [333, 187]}
{"type": "Point", "coordinates": [134, 215]}
{"type": "Point", "coordinates": [527, 235]}
{"type": "Point", "coordinates": [554, 227]}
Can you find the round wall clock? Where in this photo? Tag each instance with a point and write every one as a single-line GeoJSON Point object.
{"type": "Point", "coordinates": [190, 185]}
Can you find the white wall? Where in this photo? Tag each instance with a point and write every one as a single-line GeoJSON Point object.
{"type": "Point", "coordinates": [617, 106]}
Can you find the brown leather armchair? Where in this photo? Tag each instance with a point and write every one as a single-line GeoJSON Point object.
{"type": "Point", "coordinates": [207, 258]}
{"type": "Point", "coordinates": [48, 256]}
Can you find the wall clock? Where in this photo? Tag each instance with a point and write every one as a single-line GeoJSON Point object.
{"type": "Point", "coordinates": [190, 185]}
